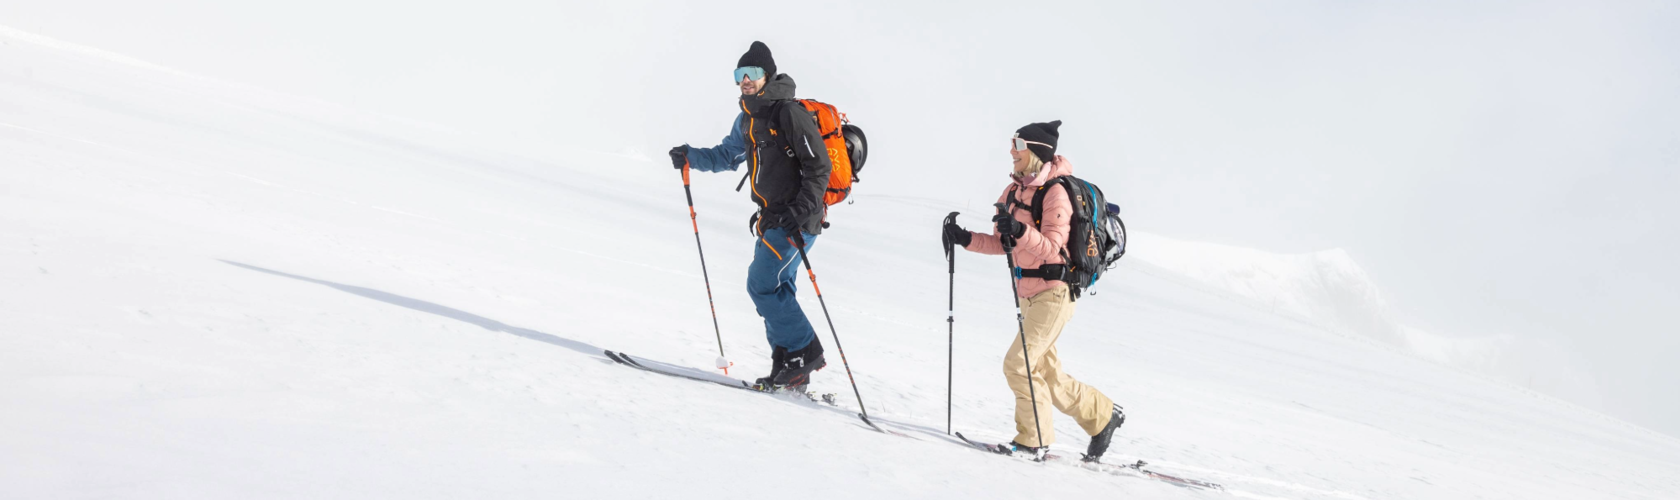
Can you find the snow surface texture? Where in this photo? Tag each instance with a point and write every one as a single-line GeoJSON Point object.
{"type": "Point", "coordinates": [215, 292]}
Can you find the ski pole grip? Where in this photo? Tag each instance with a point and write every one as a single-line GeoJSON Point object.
{"type": "Point", "coordinates": [950, 246]}
{"type": "Point", "coordinates": [1007, 241]}
{"type": "Point", "coordinates": [685, 173]}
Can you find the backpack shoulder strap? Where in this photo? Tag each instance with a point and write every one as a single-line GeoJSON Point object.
{"type": "Point", "coordinates": [1038, 198]}
{"type": "Point", "coordinates": [778, 108]}
{"type": "Point", "coordinates": [775, 120]}
{"type": "Point", "coordinates": [1038, 206]}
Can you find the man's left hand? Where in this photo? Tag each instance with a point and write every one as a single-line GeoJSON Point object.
{"type": "Point", "coordinates": [783, 217]}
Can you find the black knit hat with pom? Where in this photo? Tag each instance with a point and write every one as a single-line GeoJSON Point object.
{"type": "Point", "coordinates": [1041, 132]}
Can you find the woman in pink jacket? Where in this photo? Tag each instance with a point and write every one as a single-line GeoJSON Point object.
{"type": "Point", "coordinates": [1046, 304]}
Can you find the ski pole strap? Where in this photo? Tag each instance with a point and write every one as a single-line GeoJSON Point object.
{"type": "Point", "coordinates": [1048, 272]}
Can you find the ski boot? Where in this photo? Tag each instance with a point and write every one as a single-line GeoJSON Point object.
{"type": "Point", "coordinates": [1099, 442]}
{"type": "Point", "coordinates": [796, 367]}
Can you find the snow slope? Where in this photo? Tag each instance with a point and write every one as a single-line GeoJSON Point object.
{"type": "Point", "coordinates": [210, 291]}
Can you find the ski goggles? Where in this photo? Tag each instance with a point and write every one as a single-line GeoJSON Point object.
{"type": "Point", "coordinates": [1021, 144]}
{"type": "Point", "coordinates": [748, 72]}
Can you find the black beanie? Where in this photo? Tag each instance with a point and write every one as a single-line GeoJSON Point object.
{"type": "Point", "coordinates": [1041, 132]}
{"type": "Point", "coordinates": [759, 55]}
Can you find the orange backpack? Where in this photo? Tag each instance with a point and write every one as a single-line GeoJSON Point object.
{"type": "Point", "coordinates": [846, 144]}
{"type": "Point", "coordinates": [830, 123]}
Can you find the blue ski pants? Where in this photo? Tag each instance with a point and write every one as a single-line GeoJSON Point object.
{"type": "Point", "coordinates": [770, 282]}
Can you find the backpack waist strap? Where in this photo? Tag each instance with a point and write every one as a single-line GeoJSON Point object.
{"type": "Point", "coordinates": [1047, 272]}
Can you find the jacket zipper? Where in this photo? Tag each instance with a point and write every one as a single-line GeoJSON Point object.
{"type": "Point", "coordinates": [752, 136]}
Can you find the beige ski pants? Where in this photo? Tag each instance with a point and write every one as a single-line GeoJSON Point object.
{"type": "Point", "coordinates": [1045, 314]}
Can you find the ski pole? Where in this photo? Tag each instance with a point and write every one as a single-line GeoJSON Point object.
{"type": "Point", "coordinates": [800, 246]}
{"type": "Point", "coordinates": [722, 362]}
{"type": "Point", "coordinates": [1020, 322]}
{"type": "Point", "coordinates": [950, 322]}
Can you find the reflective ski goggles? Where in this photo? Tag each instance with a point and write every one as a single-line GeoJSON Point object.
{"type": "Point", "coordinates": [1021, 144]}
{"type": "Point", "coordinates": [748, 72]}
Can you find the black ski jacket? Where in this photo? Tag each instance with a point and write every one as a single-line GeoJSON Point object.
{"type": "Point", "coordinates": [786, 159]}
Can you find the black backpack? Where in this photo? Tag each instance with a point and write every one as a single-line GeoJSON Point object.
{"type": "Point", "coordinates": [1096, 235]}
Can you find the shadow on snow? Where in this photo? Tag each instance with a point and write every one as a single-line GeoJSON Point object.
{"type": "Point", "coordinates": [440, 310]}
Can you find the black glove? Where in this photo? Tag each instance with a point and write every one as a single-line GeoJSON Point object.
{"type": "Point", "coordinates": [679, 156]}
{"type": "Point", "coordinates": [783, 217]}
{"type": "Point", "coordinates": [956, 234]}
{"type": "Point", "coordinates": [1008, 226]}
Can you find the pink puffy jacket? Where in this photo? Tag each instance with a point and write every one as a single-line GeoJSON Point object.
{"type": "Point", "coordinates": [1042, 243]}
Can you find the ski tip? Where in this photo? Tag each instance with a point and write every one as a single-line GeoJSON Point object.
{"type": "Point", "coordinates": [622, 358]}
{"type": "Point", "coordinates": [630, 361]}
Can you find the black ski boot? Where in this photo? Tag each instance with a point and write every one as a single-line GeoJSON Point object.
{"type": "Point", "coordinates": [1099, 442]}
{"type": "Point", "coordinates": [766, 383]}
{"type": "Point", "coordinates": [797, 366]}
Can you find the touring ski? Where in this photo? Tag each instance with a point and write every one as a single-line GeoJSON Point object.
{"type": "Point", "coordinates": [1133, 469]}
{"type": "Point", "coordinates": [1001, 449]}
{"type": "Point", "coordinates": [702, 376]}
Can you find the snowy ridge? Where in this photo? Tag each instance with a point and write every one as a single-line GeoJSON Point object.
{"type": "Point", "coordinates": [59, 45]}
{"type": "Point", "coordinates": [1328, 288]}
{"type": "Point", "coordinates": [252, 297]}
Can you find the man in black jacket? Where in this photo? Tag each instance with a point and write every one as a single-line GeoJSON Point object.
{"type": "Point", "coordinates": [788, 167]}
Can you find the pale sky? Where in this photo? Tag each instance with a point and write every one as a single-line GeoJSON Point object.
{"type": "Point", "coordinates": [1498, 167]}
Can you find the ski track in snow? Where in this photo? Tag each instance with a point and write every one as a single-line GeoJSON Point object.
{"type": "Point", "coordinates": [213, 291]}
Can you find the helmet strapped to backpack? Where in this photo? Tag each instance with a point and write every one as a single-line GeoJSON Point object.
{"type": "Point", "coordinates": [857, 147]}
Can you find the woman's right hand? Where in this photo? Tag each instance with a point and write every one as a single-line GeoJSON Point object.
{"type": "Point", "coordinates": [954, 233]}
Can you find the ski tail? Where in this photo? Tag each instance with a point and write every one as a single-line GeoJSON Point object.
{"type": "Point", "coordinates": [878, 428]}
